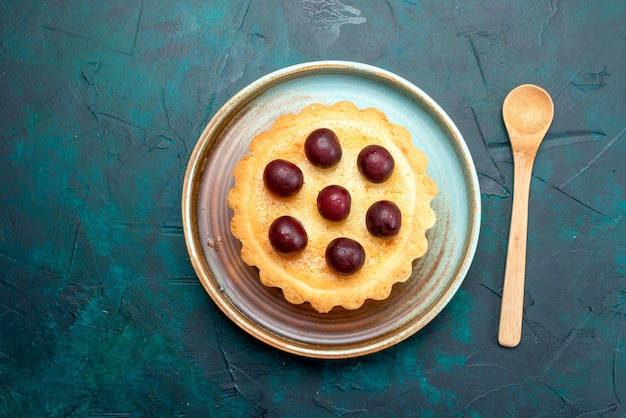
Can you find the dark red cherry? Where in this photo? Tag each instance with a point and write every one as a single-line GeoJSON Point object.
{"type": "Point", "coordinates": [383, 219]}
{"type": "Point", "coordinates": [287, 235]}
{"type": "Point", "coordinates": [322, 148]}
{"type": "Point", "coordinates": [375, 163]}
{"type": "Point", "coordinates": [345, 255]}
{"type": "Point", "coordinates": [334, 202]}
{"type": "Point", "coordinates": [283, 178]}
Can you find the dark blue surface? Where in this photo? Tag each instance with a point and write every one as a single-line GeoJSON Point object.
{"type": "Point", "coordinates": [101, 105]}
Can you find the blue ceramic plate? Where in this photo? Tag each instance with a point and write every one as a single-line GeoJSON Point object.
{"type": "Point", "coordinates": [262, 311]}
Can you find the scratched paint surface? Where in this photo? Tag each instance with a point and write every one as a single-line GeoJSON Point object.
{"type": "Point", "coordinates": [101, 105]}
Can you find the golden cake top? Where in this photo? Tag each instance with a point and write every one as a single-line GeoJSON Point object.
{"type": "Point", "coordinates": [302, 269]}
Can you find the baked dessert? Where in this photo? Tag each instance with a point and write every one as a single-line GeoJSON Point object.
{"type": "Point", "coordinates": [332, 204]}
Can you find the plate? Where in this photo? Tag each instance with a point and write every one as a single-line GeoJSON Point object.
{"type": "Point", "coordinates": [263, 312]}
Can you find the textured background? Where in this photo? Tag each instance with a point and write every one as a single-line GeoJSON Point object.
{"type": "Point", "coordinates": [101, 104]}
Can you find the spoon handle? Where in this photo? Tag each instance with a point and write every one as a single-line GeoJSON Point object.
{"type": "Point", "coordinates": [510, 331]}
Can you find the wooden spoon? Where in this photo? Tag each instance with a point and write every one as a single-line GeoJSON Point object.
{"type": "Point", "coordinates": [527, 111]}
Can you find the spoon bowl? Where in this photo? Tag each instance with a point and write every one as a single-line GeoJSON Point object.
{"type": "Point", "coordinates": [527, 112]}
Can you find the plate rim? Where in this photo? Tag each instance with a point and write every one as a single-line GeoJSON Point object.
{"type": "Point", "coordinates": [195, 167]}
